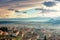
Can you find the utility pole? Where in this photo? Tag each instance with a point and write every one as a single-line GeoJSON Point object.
{"type": "Point", "coordinates": [45, 37]}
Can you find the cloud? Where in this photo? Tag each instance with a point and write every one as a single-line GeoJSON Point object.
{"type": "Point", "coordinates": [26, 8]}
{"type": "Point", "coordinates": [49, 4]}
{"type": "Point", "coordinates": [9, 1]}
{"type": "Point", "coordinates": [57, 0]}
{"type": "Point", "coordinates": [5, 13]}
{"type": "Point", "coordinates": [46, 10]}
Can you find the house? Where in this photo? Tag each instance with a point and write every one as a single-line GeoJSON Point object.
{"type": "Point", "coordinates": [15, 33]}
{"type": "Point", "coordinates": [5, 33]}
{"type": "Point", "coordinates": [1, 32]}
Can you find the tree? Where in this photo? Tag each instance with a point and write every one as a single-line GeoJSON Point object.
{"type": "Point", "coordinates": [4, 29]}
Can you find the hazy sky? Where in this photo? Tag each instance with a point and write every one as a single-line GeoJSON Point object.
{"type": "Point", "coordinates": [29, 8]}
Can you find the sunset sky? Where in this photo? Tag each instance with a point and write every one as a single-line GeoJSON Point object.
{"type": "Point", "coordinates": [29, 8]}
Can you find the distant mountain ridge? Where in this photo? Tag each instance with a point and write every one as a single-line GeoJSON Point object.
{"type": "Point", "coordinates": [31, 20]}
{"type": "Point", "coordinates": [34, 18]}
